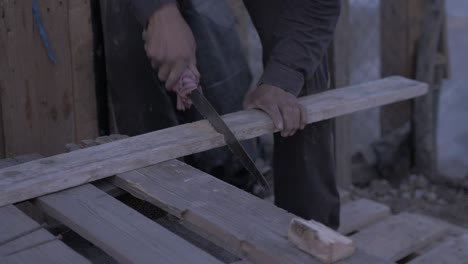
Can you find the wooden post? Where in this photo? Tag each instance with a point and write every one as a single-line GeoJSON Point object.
{"type": "Point", "coordinates": [340, 77]}
{"type": "Point", "coordinates": [423, 119]}
{"type": "Point", "coordinates": [400, 31]}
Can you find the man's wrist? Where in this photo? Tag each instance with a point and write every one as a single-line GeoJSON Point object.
{"type": "Point", "coordinates": [145, 9]}
{"type": "Point", "coordinates": [287, 79]}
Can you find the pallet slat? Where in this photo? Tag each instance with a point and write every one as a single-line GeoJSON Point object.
{"type": "Point", "coordinates": [361, 213]}
{"type": "Point", "coordinates": [453, 251]}
{"type": "Point", "coordinates": [68, 170]}
{"type": "Point", "coordinates": [22, 240]}
{"type": "Point", "coordinates": [398, 236]}
{"type": "Point", "coordinates": [120, 231]}
{"type": "Point", "coordinates": [241, 223]}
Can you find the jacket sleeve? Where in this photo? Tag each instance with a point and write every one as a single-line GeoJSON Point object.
{"type": "Point", "coordinates": [143, 9]}
{"type": "Point", "coordinates": [303, 33]}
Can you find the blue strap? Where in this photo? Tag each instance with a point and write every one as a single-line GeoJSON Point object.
{"type": "Point", "coordinates": [41, 31]}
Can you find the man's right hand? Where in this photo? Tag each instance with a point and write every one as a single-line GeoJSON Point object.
{"type": "Point", "coordinates": [170, 45]}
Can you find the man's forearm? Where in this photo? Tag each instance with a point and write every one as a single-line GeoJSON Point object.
{"type": "Point", "coordinates": [301, 38]}
{"type": "Point", "coordinates": [143, 9]}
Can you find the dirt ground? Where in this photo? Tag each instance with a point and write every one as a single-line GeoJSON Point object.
{"type": "Point", "coordinates": [417, 194]}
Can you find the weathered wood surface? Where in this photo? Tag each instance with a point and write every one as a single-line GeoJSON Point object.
{"type": "Point", "coordinates": [120, 231]}
{"type": "Point", "coordinates": [22, 240]}
{"type": "Point", "coordinates": [239, 222]}
{"type": "Point", "coordinates": [398, 236]}
{"type": "Point", "coordinates": [424, 136]}
{"type": "Point", "coordinates": [452, 251]}
{"type": "Point", "coordinates": [361, 213]}
{"type": "Point", "coordinates": [67, 170]}
{"type": "Point", "coordinates": [45, 106]}
{"type": "Point", "coordinates": [320, 241]}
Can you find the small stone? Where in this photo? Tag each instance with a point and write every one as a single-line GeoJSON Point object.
{"type": "Point", "coordinates": [413, 180]}
{"type": "Point", "coordinates": [393, 192]}
{"type": "Point", "coordinates": [406, 195]}
{"type": "Point", "coordinates": [418, 194]}
{"type": "Point", "coordinates": [442, 201]}
{"type": "Point", "coordinates": [404, 187]}
{"type": "Point", "coordinates": [422, 183]}
{"type": "Point", "coordinates": [386, 198]}
{"type": "Point", "coordinates": [431, 196]}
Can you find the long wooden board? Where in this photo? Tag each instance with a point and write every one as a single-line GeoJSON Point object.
{"type": "Point", "coordinates": [241, 223]}
{"type": "Point", "coordinates": [67, 170]}
{"type": "Point", "coordinates": [399, 235]}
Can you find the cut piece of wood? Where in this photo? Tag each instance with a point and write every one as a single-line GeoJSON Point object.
{"type": "Point", "coordinates": [120, 231]}
{"type": "Point", "coordinates": [398, 236]}
{"type": "Point", "coordinates": [319, 240]}
{"type": "Point", "coordinates": [248, 227]}
{"type": "Point", "coordinates": [453, 251]}
{"type": "Point", "coordinates": [361, 213]}
{"type": "Point", "coordinates": [67, 170]}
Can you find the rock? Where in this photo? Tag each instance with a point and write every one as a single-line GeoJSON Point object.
{"type": "Point", "coordinates": [418, 194]}
{"type": "Point", "coordinates": [405, 187]}
{"type": "Point", "coordinates": [406, 195]}
{"type": "Point", "coordinates": [442, 201]}
{"type": "Point", "coordinates": [393, 192]}
{"type": "Point", "coordinates": [379, 187]}
{"type": "Point", "coordinates": [413, 180]}
{"type": "Point", "coordinates": [431, 196]}
{"type": "Point", "coordinates": [422, 183]}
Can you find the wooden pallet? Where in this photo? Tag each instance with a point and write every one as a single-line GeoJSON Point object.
{"type": "Point", "coordinates": [405, 237]}
{"type": "Point", "coordinates": [252, 229]}
{"type": "Point", "coordinates": [234, 220]}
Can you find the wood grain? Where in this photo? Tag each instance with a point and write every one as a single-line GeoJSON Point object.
{"type": "Point", "coordinates": [67, 170]}
{"type": "Point", "coordinates": [319, 241]}
{"type": "Point", "coordinates": [452, 251]}
{"type": "Point", "coordinates": [398, 236]}
{"type": "Point", "coordinates": [46, 106]}
{"type": "Point", "coordinates": [120, 231]}
{"type": "Point", "coordinates": [248, 227]}
{"type": "Point", "coordinates": [361, 213]}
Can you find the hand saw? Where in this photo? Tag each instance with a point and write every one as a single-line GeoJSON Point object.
{"type": "Point", "coordinates": [207, 111]}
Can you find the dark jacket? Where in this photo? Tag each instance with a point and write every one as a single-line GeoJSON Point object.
{"type": "Point", "coordinates": [303, 32]}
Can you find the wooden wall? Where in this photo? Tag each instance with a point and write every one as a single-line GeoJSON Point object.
{"type": "Point", "coordinates": [45, 106]}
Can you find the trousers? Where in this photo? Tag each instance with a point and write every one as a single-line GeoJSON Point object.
{"type": "Point", "coordinates": [303, 165]}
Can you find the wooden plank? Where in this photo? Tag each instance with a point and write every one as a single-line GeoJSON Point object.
{"type": "Point", "coordinates": [67, 170]}
{"type": "Point", "coordinates": [37, 98]}
{"type": "Point", "coordinates": [23, 239]}
{"type": "Point", "coordinates": [248, 227]}
{"type": "Point", "coordinates": [452, 251]}
{"type": "Point", "coordinates": [398, 236]}
{"type": "Point", "coordinates": [120, 231]}
{"type": "Point", "coordinates": [82, 62]}
{"type": "Point", "coordinates": [54, 252]}
{"type": "Point", "coordinates": [425, 156]}
{"type": "Point", "coordinates": [361, 213]}
{"type": "Point", "coordinates": [320, 241]}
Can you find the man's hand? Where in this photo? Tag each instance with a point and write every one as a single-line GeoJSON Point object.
{"type": "Point", "coordinates": [284, 108]}
{"type": "Point", "coordinates": [170, 45]}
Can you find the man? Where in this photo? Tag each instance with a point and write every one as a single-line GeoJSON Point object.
{"type": "Point", "coordinates": [295, 36]}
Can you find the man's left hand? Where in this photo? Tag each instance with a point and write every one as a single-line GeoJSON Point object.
{"type": "Point", "coordinates": [284, 108]}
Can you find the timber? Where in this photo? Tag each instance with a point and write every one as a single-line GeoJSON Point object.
{"type": "Point", "coordinates": [68, 170]}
